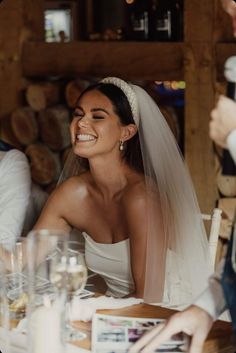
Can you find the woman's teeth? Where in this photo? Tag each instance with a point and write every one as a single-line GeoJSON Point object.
{"type": "Point", "coordinates": [83, 137]}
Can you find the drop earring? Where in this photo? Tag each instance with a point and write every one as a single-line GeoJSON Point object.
{"type": "Point", "coordinates": [121, 145]}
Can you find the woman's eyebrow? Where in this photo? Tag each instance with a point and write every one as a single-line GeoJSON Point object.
{"type": "Point", "coordinates": [100, 109]}
{"type": "Point", "coordinates": [92, 110]}
{"type": "Point", "coordinates": [78, 107]}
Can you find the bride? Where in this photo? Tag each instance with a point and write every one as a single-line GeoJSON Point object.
{"type": "Point", "coordinates": [127, 189]}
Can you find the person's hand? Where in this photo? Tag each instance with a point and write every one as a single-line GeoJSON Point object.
{"type": "Point", "coordinates": [223, 120]}
{"type": "Point", "coordinates": [193, 321]}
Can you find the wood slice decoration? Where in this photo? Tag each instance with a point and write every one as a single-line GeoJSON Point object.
{"type": "Point", "coordinates": [45, 165]}
{"type": "Point", "coordinates": [54, 126]}
{"type": "Point", "coordinates": [226, 184]}
{"type": "Point", "coordinates": [73, 91]}
{"type": "Point", "coordinates": [24, 125]}
{"type": "Point", "coordinates": [42, 95]}
{"type": "Point", "coordinates": [7, 133]}
{"type": "Point", "coordinates": [227, 205]}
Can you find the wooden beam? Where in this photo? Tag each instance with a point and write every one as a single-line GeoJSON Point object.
{"type": "Point", "coordinates": [19, 21]}
{"type": "Point", "coordinates": [199, 99]}
{"type": "Point", "coordinates": [130, 60]}
{"type": "Point", "coordinates": [223, 52]}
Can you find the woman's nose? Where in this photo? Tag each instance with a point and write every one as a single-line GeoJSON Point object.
{"type": "Point", "coordinates": [83, 121]}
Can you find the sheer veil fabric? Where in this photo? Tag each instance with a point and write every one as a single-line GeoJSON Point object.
{"type": "Point", "coordinates": [187, 257]}
{"type": "Point", "coordinates": [184, 259]}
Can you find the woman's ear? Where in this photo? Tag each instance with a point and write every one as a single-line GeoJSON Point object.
{"type": "Point", "coordinates": [128, 131]}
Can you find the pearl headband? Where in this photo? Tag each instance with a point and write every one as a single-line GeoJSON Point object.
{"type": "Point", "coordinates": [129, 93]}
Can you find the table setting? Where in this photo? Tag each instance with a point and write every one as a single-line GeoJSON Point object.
{"type": "Point", "coordinates": [43, 296]}
{"type": "Point", "coordinates": [46, 307]}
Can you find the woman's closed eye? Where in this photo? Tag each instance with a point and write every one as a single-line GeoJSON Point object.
{"type": "Point", "coordinates": [76, 114]}
{"type": "Point", "coordinates": [98, 117]}
{"type": "Point", "coordinates": [80, 115]}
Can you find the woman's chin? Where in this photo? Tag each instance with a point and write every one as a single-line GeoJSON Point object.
{"type": "Point", "coordinates": [81, 151]}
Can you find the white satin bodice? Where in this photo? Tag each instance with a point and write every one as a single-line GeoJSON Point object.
{"type": "Point", "coordinates": [112, 262]}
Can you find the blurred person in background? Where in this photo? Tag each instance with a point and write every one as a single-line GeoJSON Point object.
{"type": "Point", "coordinates": [21, 201]}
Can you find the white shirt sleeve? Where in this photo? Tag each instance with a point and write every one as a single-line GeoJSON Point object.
{"type": "Point", "coordinates": [212, 299]}
{"type": "Point", "coordinates": [231, 144]}
{"type": "Point", "coordinates": [15, 188]}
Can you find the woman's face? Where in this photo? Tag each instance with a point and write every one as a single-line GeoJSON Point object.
{"type": "Point", "coordinates": [95, 128]}
{"type": "Point", "coordinates": [230, 7]}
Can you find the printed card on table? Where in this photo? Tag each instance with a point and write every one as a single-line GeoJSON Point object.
{"type": "Point", "coordinates": [115, 334]}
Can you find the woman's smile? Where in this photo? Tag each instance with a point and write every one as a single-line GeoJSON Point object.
{"type": "Point", "coordinates": [85, 137]}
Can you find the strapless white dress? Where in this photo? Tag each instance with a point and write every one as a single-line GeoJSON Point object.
{"type": "Point", "coordinates": [112, 263]}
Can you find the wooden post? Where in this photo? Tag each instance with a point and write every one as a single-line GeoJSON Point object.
{"type": "Point", "coordinates": [20, 20]}
{"type": "Point", "coordinates": [200, 98]}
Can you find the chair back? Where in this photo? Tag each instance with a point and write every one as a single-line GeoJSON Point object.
{"type": "Point", "coordinates": [215, 219]}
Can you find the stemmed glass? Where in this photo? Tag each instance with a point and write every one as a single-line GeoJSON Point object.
{"type": "Point", "coordinates": [76, 280]}
{"type": "Point", "coordinates": [4, 310]}
{"type": "Point", "coordinates": [15, 279]}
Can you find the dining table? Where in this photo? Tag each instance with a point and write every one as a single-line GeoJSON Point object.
{"type": "Point", "coordinates": [219, 340]}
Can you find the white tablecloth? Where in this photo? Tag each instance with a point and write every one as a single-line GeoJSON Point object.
{"type": "Point", "coordinates": [18, 344]}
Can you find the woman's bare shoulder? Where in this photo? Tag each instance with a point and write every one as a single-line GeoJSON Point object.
{"type": "Point", "coordinates": [140, 189]}
{"type": "Point", "coordinates": [74, 186]}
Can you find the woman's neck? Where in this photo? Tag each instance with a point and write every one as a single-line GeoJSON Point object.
{"type": "Point", "coordinates": [110, 177]}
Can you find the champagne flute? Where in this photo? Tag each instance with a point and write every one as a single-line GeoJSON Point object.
{"type": "Point", "coordinates": [76, 269]}
{"type": "Point", "coordinates": [76, 280]}
{"type": "Point", "coordinates": [15, 279]}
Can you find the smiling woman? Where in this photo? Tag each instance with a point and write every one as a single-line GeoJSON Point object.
{"type": "Point", "coordinates": [96, 125]}
{"type": "Point", "coordinates": [133, 199]}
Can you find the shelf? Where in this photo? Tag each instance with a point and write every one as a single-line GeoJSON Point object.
{"type": "Point", "coordinates": [131, 60]}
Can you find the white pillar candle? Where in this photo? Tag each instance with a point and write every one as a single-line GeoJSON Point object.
{"type": "Point", "coordinates": [45, 329]}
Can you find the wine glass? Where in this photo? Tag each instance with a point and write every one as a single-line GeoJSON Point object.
{"type": "Point", "coordinates": [76, 280]}
{"type": "Point", "coordinates": [14, 259]}
{"type": "Point", "coordinates": [4, 310]}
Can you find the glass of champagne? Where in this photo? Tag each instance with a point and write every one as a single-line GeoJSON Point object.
{"type": "Point", "coordinates": [4, 311]}
{"type": "Point", "coordinates": [14, 259]}
{"type": "Point", "coordinates": [76, 280]}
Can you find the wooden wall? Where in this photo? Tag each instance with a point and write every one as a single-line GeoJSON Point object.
{"type": "Point", "coordinates": [199, 71]}
{"type": "Point", "coordinates": [20, 21]}
{"type": "Point", "coordinates": [198, 60]}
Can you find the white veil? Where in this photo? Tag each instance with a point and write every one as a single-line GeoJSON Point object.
{"type": "Point", "coordinates": [186, 258]}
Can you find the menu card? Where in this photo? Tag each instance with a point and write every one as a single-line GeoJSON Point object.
{"type": "Point", "coordinates": [115, 334]}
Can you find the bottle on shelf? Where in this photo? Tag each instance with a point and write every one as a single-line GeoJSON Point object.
{"type": "Point", "coordinates": [138, 19]}
{"type": "Point", "coordinates": [166, 20]}
{"type": "Point", "coordinates": [177, 20]}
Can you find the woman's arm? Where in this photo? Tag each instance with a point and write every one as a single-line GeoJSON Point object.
{"type": "Point", "coordinates": [144, 222]}
{"type": "Point", "coordinates": [65, 207]}
{"type": "Point", "coordinates": [53, 215]}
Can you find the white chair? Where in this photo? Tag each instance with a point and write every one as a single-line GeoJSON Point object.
{"type": "Point", "coordinates": [215, 219]}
